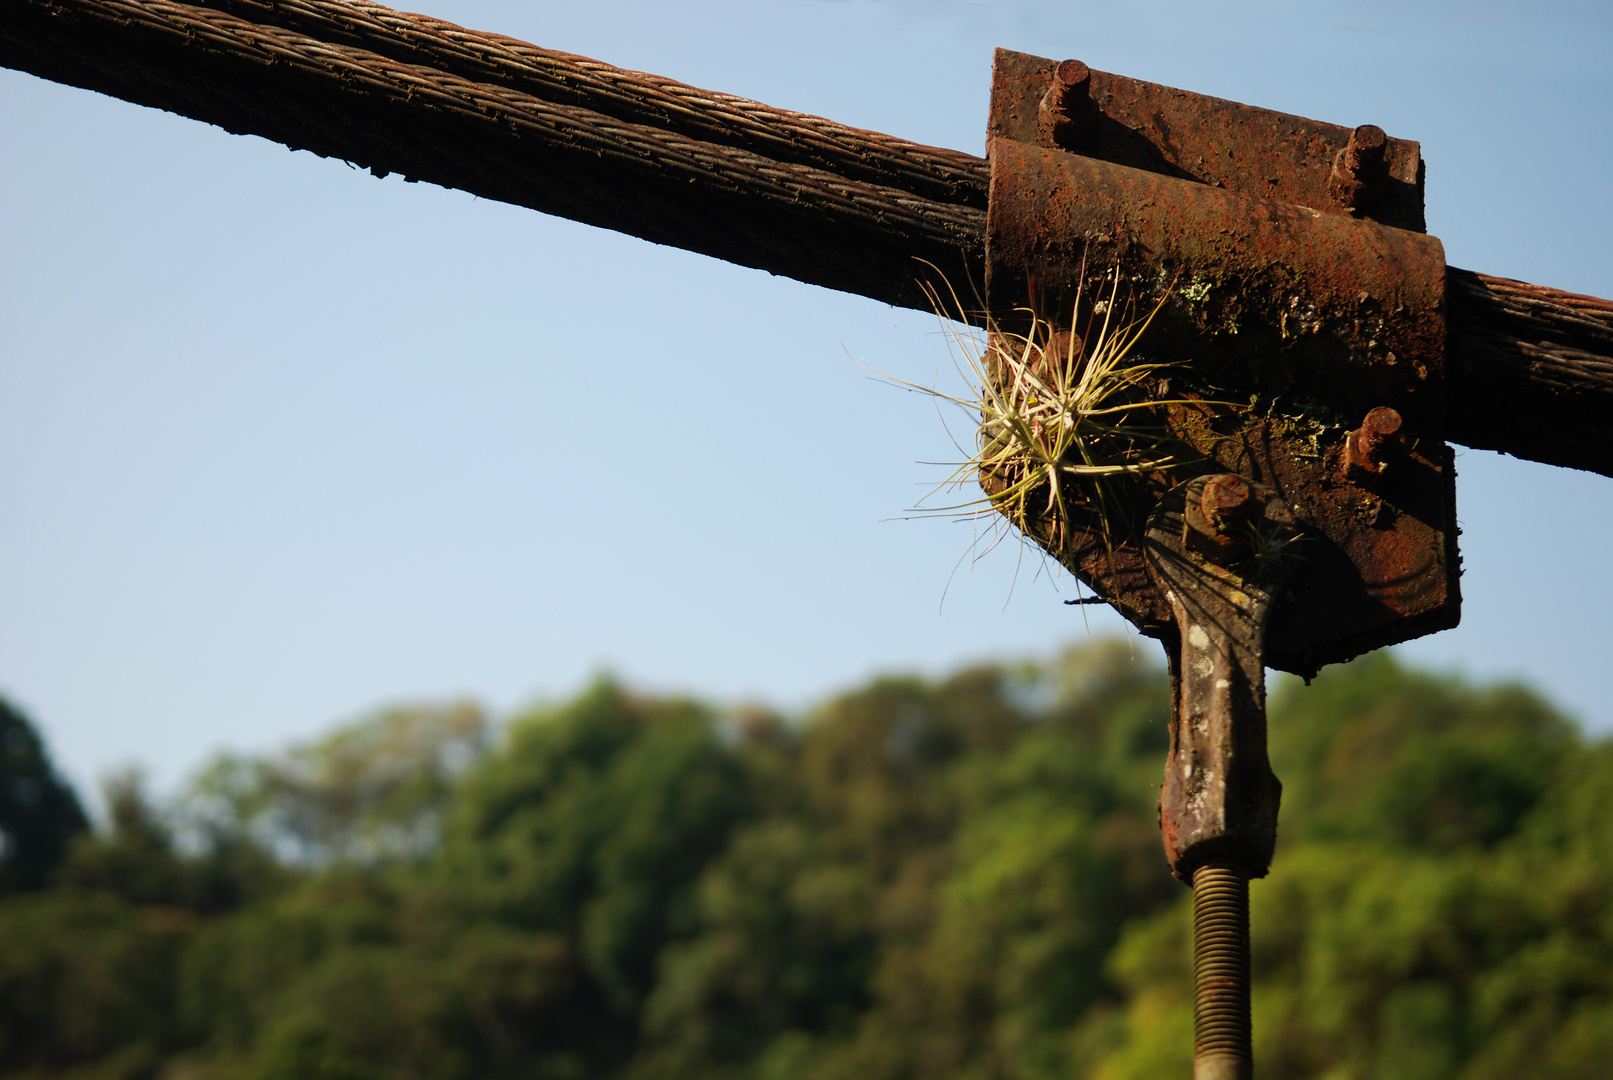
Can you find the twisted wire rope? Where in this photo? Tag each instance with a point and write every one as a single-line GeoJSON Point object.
{"type": "Point", "coordinates": [429, 124]}
{"type": "Point", "coordinates": [1530, 369]}
{"type": "Point", "coordinates": [632, 96]}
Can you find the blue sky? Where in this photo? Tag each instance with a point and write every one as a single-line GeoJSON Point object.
{"type": "Point", "coordinates": [281, 443]}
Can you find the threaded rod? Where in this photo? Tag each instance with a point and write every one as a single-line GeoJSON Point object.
{"type": "Point", "coordinates": [1222, 1048]}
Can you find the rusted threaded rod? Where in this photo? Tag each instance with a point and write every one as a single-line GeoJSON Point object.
{"type": "Point", "coordinates": [1222, 1045]}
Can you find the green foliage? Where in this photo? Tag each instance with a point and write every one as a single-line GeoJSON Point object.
{"type": "Point", "coordinates": [85, 976]}
{"type": "Point", "coordinates": [374, 791]}
{"type": "Point", "coordinates": [39, 814]}
{"type": "Point", "coordinates": [958, 878]}
{"type": "Point", "coordinates": [1377, 752]}
{"type": "Point", "coordinates": [1442, 902]}
{"type": "Point", "coordinates": [135, 859]}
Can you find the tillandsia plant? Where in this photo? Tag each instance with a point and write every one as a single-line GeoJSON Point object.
{"type": "Point", "coordinates": [1066, 418]}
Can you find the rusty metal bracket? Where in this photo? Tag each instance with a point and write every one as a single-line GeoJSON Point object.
{"type": "Point", "coordinates": [1286, 325]}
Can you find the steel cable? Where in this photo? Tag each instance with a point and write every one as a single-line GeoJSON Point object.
{"type": "Point", "coordinates": [1530, 369]}
{"type": "Point", "coordinates": [632, 96]}
{"type": "Point", "coordinates": [344, 102]}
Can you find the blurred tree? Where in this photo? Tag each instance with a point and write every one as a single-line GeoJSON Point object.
{"type": "Point", "coordinates": [86, 978]}
{"type": "Point", "coordinates": [934, 891]}
{"type": "Point", "coordinates": [375, 790]}
{"type": "Point", "coordinates": [136, 858]}
{"type": "Point", "coordinates": [522, 943]}
{"type": "Point", "coordinates": [1376, 751]}
{"type": "Point", "coordinates": [958, 878]}
{"type": "Point", "coordinates": [39, 812]}
{"type": "Point", "coordinates": [1416, 924]}
{"type": "Point", "coordinates": [589, 829]}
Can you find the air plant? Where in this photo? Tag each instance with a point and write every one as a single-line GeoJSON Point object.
{"type": "Point", "coordinates": [1062, 417]}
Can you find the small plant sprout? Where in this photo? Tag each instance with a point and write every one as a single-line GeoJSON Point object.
{"type": "Point", "coordinates": [1270, 542]}
{"type": "Point", "coordinates": [1059, 417]}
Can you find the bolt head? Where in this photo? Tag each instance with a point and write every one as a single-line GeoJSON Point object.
{"type": "Point", "coordinates": [1212, 521]}
{"type": "Point", "coordinates": [1360, 171]}
{"type": "Point", "coordinates": [1367, 144]}
{"type": "Point", "coordinates": [1380, 427]}
{"type": "Point", "coordinates": [1226, 500]}
{"type": "Point", "coordinates": [1371, 448]}
{"type": "Point", "coordinates": [1067, 110]}
{"type": "Point", "coordinates": [1075, 80]}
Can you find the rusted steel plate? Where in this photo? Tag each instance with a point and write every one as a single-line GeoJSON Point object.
{"type": "Point", "coordinates": [1210, 140]}
{"type": "Point", "coordinates": [1289, 326]}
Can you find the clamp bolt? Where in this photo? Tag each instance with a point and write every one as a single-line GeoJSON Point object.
{"type": "Point", "coordinates": [1370, 449]}
{"type": "Point", "coordinates": [1224, 503]}
{"type": "Point", "coordinates": [1360, 170]}
{"type": "Point", "coordinates": [1067, 109]}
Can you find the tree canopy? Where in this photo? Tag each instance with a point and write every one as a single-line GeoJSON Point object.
{"type": "Point", "coordinates": [956, 878]}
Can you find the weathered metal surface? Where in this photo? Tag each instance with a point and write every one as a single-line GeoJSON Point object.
{"type": "Point", "coordinates": [1210, 140]}
{"type": "Point", "coordinates": [1374, 448]}
{"type": "Point", "coordinates": [1219, 801]}
{"type": "Point", "coordinates": [1287, 327]}
{"type": "Point", "coordinates": [1343, 311]}
{"type": "Point", "coordinates": [633, 97]}
{"type": "Point", "coordinates": [1361, 170]}
{"type": "Point", "coordinates": [1213, 550]}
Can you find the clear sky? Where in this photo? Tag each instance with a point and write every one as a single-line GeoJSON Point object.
{"type": "Point", "coordinates": [281, 442]}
